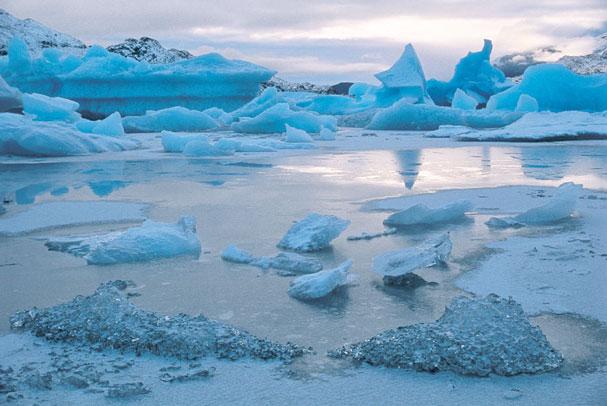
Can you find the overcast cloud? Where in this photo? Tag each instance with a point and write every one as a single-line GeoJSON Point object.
{"type": "Point", "coordinates": [329, 41]}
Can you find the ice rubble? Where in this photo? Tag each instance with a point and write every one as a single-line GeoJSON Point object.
{"type": "Point", "coordinates": [103, 82]}
{"type": "Point", "coordinates": [60, 214]}
{"type": "Point", "coordinates": [314, 233]}
{"type": "Point", "coordinates": [560, 207]}
{"type": "Point", "coordinates": [170, 119]}
{"type": "Point", "coordinates": [287, 263]}
{"type": "Point", "coordinates": [473, 337]}
{"type": "Point", "coordinates": [276, 118]}
{"type": "Point", "coordinates": [319, 284]}
{"type": "Point", "coordinates": [10, 98]}
{"type": "Point", "coordinates": [106, 319]}
{"type": "Point", "coordinates": [147, 242]}
{"type": "Point", "coordinates": [422, 214]}
{"type": "Point", "coordinates": [540, 126]}
{"type": "Point", "coordinates": [475, 75]}
{"type": "Point", "coordinates": [20, 135]}
{"type": "Point", "coordinates": [296, 135]}
{"type": "Point", "coordinates": [462, 101]}
{"type": "Point", "coordinates": [556, 88]}
{"type": "Point", "coordinates": [396, 267]}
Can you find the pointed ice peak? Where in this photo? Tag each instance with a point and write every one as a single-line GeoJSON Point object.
{"type": "Point", "coordinates": [406, 72]}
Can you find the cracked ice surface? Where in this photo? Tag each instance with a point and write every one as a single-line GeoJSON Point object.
{"type": "Point", "coordinates": [473, 337]}
{"type": "Point", "coordinates": [106, 319]}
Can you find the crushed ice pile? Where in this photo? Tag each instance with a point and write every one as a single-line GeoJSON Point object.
{"type": "Point", "coordinates": [473, 337]}
{"type": "Point", "coordinates": [319, 284]}
{"type": "Point", "coordinates": [422, 214]}
{"type": "Point", "coordinates": [314, 233]}
{"type": "Point", "coordinates": [107, 319]}
{"type": "Point", "coordinates": [151, 240]}
{"type": "Point", "coordinates": [396, 267]}
{"type": "Point", "coordinates": [287, 263]}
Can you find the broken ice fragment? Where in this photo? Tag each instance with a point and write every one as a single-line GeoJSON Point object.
{"type": "Point", "coordinates": [314, 233]}
{"type": "Point", "coordinates": [319, 284]}
{"type": "Point", "coordinates": [422, 214]}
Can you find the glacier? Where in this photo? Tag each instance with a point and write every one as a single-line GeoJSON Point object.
{"type": "Point", "coordinates": [150, 241]}
{"type": "Point", "coordinates": [319, 284]}
{"type": "Point", "coordinates": [420, 214]}
{"type": "Point", "coordinates": [313, 233]}
{"type": "Point", "coordinates": [103, 82]}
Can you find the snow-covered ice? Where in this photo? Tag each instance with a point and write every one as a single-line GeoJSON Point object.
{"type": "Point", "coordinates": [314, 233]}
{"type": "Point", "coordinates": [473, 337]}
{"type": "Point", "coordinates": [319, 284]}
{"type": "Point", "coordinates": [420, 214]}
{"type": "Point", "coordinates": [61, 214]}
{"type": "Point", "coordinates": [147, 242]}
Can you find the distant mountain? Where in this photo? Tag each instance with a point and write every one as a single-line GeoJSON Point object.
{"type": "Point", "coordinates": [286, 86]}
{"type": "Point", "coordinates": [513, 65]}
{"type": "Point", "coordinates": [149, 50]}
{"type": "Point", "coordinates": [36, 35]}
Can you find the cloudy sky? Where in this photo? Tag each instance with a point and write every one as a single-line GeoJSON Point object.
{"type": "Point", "coordinates": [330, 41]}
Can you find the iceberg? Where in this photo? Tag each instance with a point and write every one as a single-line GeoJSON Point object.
{"type": "Point", "coordinates": [202, 147]}
{"type": "Point", "coordinates": [44, 108]}
{"type": "Point", "coordinates": [147, 242]}
{"type": "Point", "coordinates": [22, 136]}
{"type": "Point", "coordinates": [463, 102]}
{"type": "Point", "coordinates": [541, 126]}
{"type": "Point", "coordinates": [268, 98]}
{"type": "Point", "coordinates": [287, 263]}
{"type": "Point", "coordinates": [103, 82]}
{"type": "Point", "coordinates": [422, 214]}
{"type": "Point", "coordinates": [396, 267]}
{"type": "Point", "coordinates": [107, 319]}
{"type": "Point", "coordinates": [170, 119]}
{"type": "Point", "coordinates": [276, 118]}
{"type": "Point", "coordinates": [319, 284]}
{"type": "Point", "coordinates": [314, 233]}
{"type": "Point", "coordinates": [403, 115]}
{"type": "Point", "coordinates": [326, 135]}
{"type": "Point", "coordinates": [473, 74]}
{"type": "Point", "coordinates": [555, 88]}
{"type": "Point", "coordinates": [296, 135]}
{"type": "Point", "coordinates": [236, 255]}
{"type": "Point", "coordinates": [559, 208]}
{"type": "Point", "coordinates": [526, 104]}
{"type": "Point", "coordinates": [334, 105]}
{"type": "Point", "coordinates": [111, 125]}
{"type": "Point", "coordinates": [10, 98]}
{"type": "Point", "coordinates": [475, 336]}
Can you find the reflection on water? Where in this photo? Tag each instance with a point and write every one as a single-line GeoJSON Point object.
{"type": "Point", "coordinates": [409, 161]}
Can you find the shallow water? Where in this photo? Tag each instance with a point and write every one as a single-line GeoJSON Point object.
{"type": "Point", "coordinates": [251, 202]}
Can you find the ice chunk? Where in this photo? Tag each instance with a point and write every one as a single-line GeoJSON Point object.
{"type": "Point", "coordinates": [544, 126]}
{"type": "Point", "coordinates": [526, 104]}
{"type": "Point", "coordinates": [19, 59]}
{"type": "Point", "coordinates": [106, 319]}
{"type": "Point", "coordinates": [103, 82]}
{"type": "Point", "coordinates": [111, 125]}
{"type": "Point", "coordinates": [10, 98]}
{"type": "Point", "coordinates": [422, 214]}
{"type": "Point", "coordinates": [275, 119]}
{"type": "Point", "coordinates": [394, 265]}
{"type": "Point", "coordinates": [473, 74]}
{"type": "Point", "coordinates": [268, 98]}
{"type": "Point", "coordinates": [223, 118]}
{"type": "Point", "coordinates": [46, 108]}
{"type": "Point", "coordinates": [20, 135]}
{"type": "Point", "coordinates": [335, 104]}
{"type": "Point", "coordinates": [202, 147]}
{"type": "Point", "coordinates": [234, 254]}
{"type": "Point", "coordinates": [556, 88]}
{"type": "Point", "coordinates": [560, 207]}
{"type": "Point", "coordinates": [147, 242]}
{"type": "Point", "coordinates": [314, 233]}
{"type": "Point", "coordinates": [173, 142]}
{"type": "Point", "coordinates": [326, 135]}
{"type": "Point", "coordinates": [61, 214]}
{"type": "Point", "coordinates": [171, 119]}
{"type": "Point", "coordinates": [462, 101]}
{"type": "Point", "coordinates": [473, 337]}
{"type": "Point", "coordinates": [403, 115]}
{"type": "Point", "coordinates": [296, 135]}
{"type": "Point", "coordinates": [319, 284]}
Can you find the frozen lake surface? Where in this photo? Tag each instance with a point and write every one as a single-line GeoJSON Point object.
{"type": "Point", "coordinates": [251, 200]}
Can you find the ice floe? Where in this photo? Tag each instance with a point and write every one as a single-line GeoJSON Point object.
{"type": "Point", "coordinates": [287, 263]}
{"type": "Point", "coordinates": [421, 214]}
{"type": "Point", "coordinates": [60, 214]}
{"type": "Point", "coordinates": [107, 319]}
{"type": "Point", "coordinates": [170, 119]}
{"type": "Point", "coordinates": [473, 337]}
{"type": "Point", "coordinates": [314, 233]}
{"type": "Point", "coordinates": [396, 266]}
{"type": "Point", "coordinates": [150, 241]}
{"type": "Point", "coordinates": [319, 284]}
